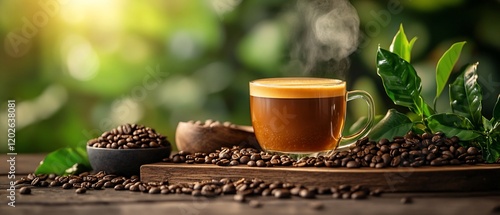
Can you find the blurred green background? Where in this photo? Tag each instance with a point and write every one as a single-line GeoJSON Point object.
{"type": "Point", "coordinates": [77, 68]}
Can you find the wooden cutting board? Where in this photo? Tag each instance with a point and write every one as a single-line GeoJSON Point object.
{"type": "Point", "coordinates": [481, 177]}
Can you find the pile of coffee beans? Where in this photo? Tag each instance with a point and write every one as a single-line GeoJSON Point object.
{"type": "Point", "coordinates": [130, 136]}
{"type": "Point", "coordinates": [411, 150]}
{"type": "Point", "coordinates": [241, 189]}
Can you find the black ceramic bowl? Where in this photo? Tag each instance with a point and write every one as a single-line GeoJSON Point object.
{"type": "Point", "coordinates": [124, 162]}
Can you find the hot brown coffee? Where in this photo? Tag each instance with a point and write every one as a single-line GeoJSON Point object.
{"type": "Point", "coordinates": [298, 115]}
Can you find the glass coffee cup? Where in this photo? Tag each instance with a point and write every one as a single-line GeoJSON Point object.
{"type": "Point", "coordinates": [303, 115]}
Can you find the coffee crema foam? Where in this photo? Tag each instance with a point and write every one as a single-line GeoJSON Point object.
{"type": "Point", "coordinates": [297, 87]}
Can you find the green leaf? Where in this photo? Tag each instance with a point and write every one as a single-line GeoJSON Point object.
{"type": "Point", "coordinates": [401, 82]}
{"type": "Point", "coordinates": [496, 112]}
{"type": "Point", "coordinates": [487, 125]}
{"type": "Point", "coordinates": [491, 153]}
{"type": "Point", "coordinates": [453, 125]}
{"type": "Point", "coordinates": [358, 125]}
{"type": "Point", "coordinates": [445, 66]}
{"type": "Point", "coordinates": [64, 159]}
{"type": "Point", "coordinates": [401, 46]}
{"type": "Point", "coordinates": [393, 124]}
{"type": "Point", "coordinates": [465, 96]}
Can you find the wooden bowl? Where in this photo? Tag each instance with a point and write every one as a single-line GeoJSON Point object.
{"type": "Point", "coordinates": [211, 135]}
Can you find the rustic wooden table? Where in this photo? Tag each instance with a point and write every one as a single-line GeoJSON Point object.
{"type": "Point", "coordinates": [58, 201]}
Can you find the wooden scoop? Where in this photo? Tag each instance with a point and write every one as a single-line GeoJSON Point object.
{"type": "Point", "coordinates": [211, 135]}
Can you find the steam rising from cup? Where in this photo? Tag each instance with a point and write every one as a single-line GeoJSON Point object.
{"type": "Point", "coordinates": [327, 33]}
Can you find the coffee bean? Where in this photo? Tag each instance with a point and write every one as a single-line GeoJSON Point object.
{"type": "Point", "coordinates": [282, 193]}
{"type": "Point", "coordinates": [454, 162]}
{"type": "Point", "coordinates": [346, 195]}
{"type": "Point", "coordinates": [376, 192]}
{"type": "Point", "coordinates": [254, 204]}
{"type": "Point", "coordinates": [35, 181]}
{"type": "Point", "coordinates": [436, 162]}
{"type": "Point", "coordinates": [344, 187]}
{"type": "Point", "coordinates": [358, 195]}
{"type": "Point", "coordinates": [234, 163]}
{"type": "Point", "coordinates": [134, 188]}
{"type": "Point", "coordinates": [395, 146]}
{"type": "Point", "coordinates": [239, 198]}
{"type": "Point", "coordinates": [25, 190]}
{"type": "Point", "coordinates": [472, 151]}
{"type": "Point", "coordinates": [352, 164]}
{"type": "Point", "coordinates": [228, 189]}
{"type": "Point", "coordinates": [154, 190]}
{"type": "Point", "coordinates": [406, 200]}
{"type": "Point", "coordinates": [431, 157]}
{"type": "Point", "coordinates": [251, 163]}
{"type": "Point", "coordinates": [260, 163]}
{"type": "Point", "coordinates": [80, 190]}
{"type": "Point", "coordinates": [337, 195]}
{"type": "Point", "coordinates": [308, 194]}
{"type": "Point", "coordinates": [54, 184]}
{"type": "Point", "coordinates": [317, 205]}
{"type": "Point", "coordinates": [255, 157]}
{"type": "Point", "coordinates": [67, 186]}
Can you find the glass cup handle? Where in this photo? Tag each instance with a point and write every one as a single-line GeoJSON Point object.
{"type": "Point", "coordinates": [351, 139]}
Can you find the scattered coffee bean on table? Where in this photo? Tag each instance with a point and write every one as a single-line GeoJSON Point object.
{"type": "Point", "coordinates": [81, 190]}
{"type": "Point", "coordinates": [130, 136]}
{"type": "Point", "coordinates": [254, 203]}
{"type": "Point", "coordinates": [317, 205]}
{"type": "Point", "coordinates": [240, 189]}
{"type": "Point", "coordinates": [406, 200]}
{"type": "Point", "coordinates": [25, 190]}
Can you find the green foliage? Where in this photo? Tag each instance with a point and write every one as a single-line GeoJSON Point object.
{"type": "Point", "coordinates": [393, 124]}
{"type": "Point", "coordinates": [401, 46]}
{"type": "Point", "coordinates": [65, 161]}
{"type": "Point", "coordinates": [401, 82]}
{"type": "Point", "coordinates": [465, 95]}
{"type": "Point", "coordinates": [445, 66]}
{"type": "Point", "coordinates": [403, 86]}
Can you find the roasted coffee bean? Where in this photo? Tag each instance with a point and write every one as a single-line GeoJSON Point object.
{"type": "Point", "coordinates": [454, 162]}
{"type": "Point", "coordinates": [134, 187]}
{"type": "Point", "coordinates": [406, 200]}
{"type": "Point", "coordinates": [376, 192]}
{"type": "Point", "coordinates": [25, 190]}
{"type": "Point", "coordinates": [154, 190]}
{"type": "Point", "coordinates": [254, 204]}
{"type": "Point", "coordinates": [308, 194]}
{"type": "Point", "coordinates": [260, 163]}
{"type": "Point", "coordinates": [472, 151]}
{"type": "Point", "coordinates": [239, 198]}
{"type": "Point", "coordinates": [255, 157]}
{"type": "Point", "coordinates": [346, 195]}
{"type": "Point", "coordinates": [67, 186]}
{"type": "Point", "coordinates": [282, 193]}
{"type": "Point", "coordinates": [35, 181]}
{"type": "Point", "coordinates": [81, 190]}
{"type": "Point", "coordinates": [352, 164]}
{"type": "Point", "coordinates": [251, 163]}
{"type": "Point", "coordinates": [336, 195]}
{"type": "Point", "coordinates": [317, 205]}
{"type": "Point", "coordinates": [228, 189]}
{"type": "Point", "coordinates": [43, 184]}
{"type": "Point", "coordinates": [358, 195]}
{"type": "Point", "coordinates": [54, 184]}
{"type": "Point", "coordinates": [244, 159]}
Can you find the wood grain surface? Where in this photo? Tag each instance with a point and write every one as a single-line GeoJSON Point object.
{"type": "Point", "coordinates": [482, 177]}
